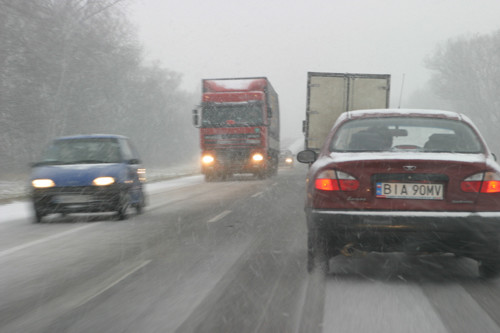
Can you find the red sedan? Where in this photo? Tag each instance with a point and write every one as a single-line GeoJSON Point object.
{"type": "Point", "coordinates": [413, 181]}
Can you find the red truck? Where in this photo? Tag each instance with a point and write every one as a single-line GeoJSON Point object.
{"type": "Point", "coordinates": [239, 127]}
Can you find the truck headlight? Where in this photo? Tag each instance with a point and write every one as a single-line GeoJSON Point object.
{"type": "Point", "coordinates": [207, 159]}
{"type": "Point", "coordinates": [257, 157]}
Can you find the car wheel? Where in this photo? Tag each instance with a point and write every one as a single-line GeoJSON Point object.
{"type": "Point", "coordinates": [38, 216]}
{"type": "Point", "coordinates": [317, 252]}
{"type": "Point", "coordinates": [141, 204]}
{"type": "Point", "coordinates": [123, 205]}
{"type": "Point", "coordinates": [489, 269]}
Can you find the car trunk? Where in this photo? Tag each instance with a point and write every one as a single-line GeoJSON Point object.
{"type": "Point", "coordinates": [421, 184]}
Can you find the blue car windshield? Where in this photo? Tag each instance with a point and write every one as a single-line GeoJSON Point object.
{"type": "Point", "coordinates": [82, 151]}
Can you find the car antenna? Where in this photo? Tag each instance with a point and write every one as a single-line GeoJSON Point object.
{"type": "Point", "coordinates": [401, 92]}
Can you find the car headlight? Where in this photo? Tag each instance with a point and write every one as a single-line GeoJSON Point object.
{"type": "Point", "coordinates": [103, 181]}
{"type": "Point", "coordinates": [43, 183]}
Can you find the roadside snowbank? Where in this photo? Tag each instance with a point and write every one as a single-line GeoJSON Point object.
{"type": "Point", "coordinates": [16, 189]}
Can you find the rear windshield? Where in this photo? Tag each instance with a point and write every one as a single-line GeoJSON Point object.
{"type": "Point", "coordinates": [406, 134]}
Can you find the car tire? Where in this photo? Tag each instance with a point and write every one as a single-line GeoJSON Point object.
{"type": "Point", "coordinates": [141, 204]}
{"type": "Point", "coordinates": [123, 205]}
{"type": "Point", "coordinates": [317, 252]}
{"type": "Point", "coordinates": [489, 269]}
{"type": "Point", "coordinates": [38, 216]}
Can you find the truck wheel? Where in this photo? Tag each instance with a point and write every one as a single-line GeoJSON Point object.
{"type": "Point", "coordinates": [274, 168]}
{"type": "Point", "coordinates": [261, 175]}
{"type": "Point", "coordinates": [212, 177]}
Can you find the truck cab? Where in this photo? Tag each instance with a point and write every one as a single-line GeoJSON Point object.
{"type": "Point", "coordinates": [239, 128]}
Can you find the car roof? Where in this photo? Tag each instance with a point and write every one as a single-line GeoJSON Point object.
{"type": "Point", "coordinates": [92, 136]}
{"type": "Point", "coordinates": [373, 113]}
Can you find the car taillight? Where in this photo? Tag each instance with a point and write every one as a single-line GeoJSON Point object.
{"type": "Point", "coordinates": [331, 180]}
{"type": "Point", "coordinates": [485, 182]}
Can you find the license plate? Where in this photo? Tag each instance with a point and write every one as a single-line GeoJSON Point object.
{"type": "Point", "coordinates": [410, 191]}
{"type": "Point", "coordinates": [71, 199]}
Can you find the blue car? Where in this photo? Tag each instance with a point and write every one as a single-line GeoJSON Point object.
{"type": "Point", "coordinates": [88, 174]}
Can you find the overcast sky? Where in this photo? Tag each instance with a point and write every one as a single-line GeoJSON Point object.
{"type": "Point", "coordinates": [285, 39]}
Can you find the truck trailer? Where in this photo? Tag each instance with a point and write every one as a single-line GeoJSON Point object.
{"type": "Point", "coordinates": [239, 127]}
{"type": "Point", "coordinates": [330, 94]}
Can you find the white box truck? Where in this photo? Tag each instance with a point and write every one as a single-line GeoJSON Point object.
{"type": "Point", "coordinates": [330, 94]}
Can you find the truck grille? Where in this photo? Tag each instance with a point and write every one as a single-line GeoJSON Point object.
{"type": "Point", "coordinates": [229, 156]}
{"type": "Point", "coordinates": [244, 139]}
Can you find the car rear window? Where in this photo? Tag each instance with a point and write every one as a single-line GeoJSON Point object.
{"type": "Point", "coordinates": [406, 134]}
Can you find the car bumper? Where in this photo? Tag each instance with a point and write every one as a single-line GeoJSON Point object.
{"type": "Point", "coordinates": [468, 233]}
{"type": "Point", "coordinates": [246, 167]}
{"type": "Point", "coordinates": [77, 200]}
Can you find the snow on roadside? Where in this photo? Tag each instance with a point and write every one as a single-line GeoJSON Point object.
{"type": "Point", "coordinates": [22, 208]}
{"type": "Point", "coordinates": [16, 210]}
{"type": "Point", "coordinates": [14, 194]}
{"type": "Point", "coordinates": [19, 188]}
{"type": "Point", "coordinates": [11, 189]}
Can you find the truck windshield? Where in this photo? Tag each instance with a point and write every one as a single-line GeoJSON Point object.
{"type": "Point", "coordinates": [232, 115]}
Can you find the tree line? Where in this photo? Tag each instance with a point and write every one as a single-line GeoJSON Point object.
{"type": "Point", "coordinates": [76, 67]}
{"type": "Point", "coordinates": [466, 78]}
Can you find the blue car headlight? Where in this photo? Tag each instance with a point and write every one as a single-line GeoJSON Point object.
{"type": "Point", "coordinates": [43, 183]}
{"type": "Point", "coordinates": [103, 181]}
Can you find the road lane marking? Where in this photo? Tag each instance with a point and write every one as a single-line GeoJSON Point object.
{"type": "Point", "coordinates": [257, 194]}
{"type": "Point", "coordinates": [114, 283]}
{"type": "Point", "coordinates": [43, 240]}
{"type": "Point", "coordinates": [218, 217]}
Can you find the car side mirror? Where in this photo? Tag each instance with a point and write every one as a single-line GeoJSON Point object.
{"type": "Point", "coordinates": [307, 156]}
{"type": "Point", "coordinates": [134, 161]}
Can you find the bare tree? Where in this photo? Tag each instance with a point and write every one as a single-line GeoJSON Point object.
{"type": "Point", "coordinates": [75, 66]}
{"type": "Point", "coordinates": [467, 75]}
